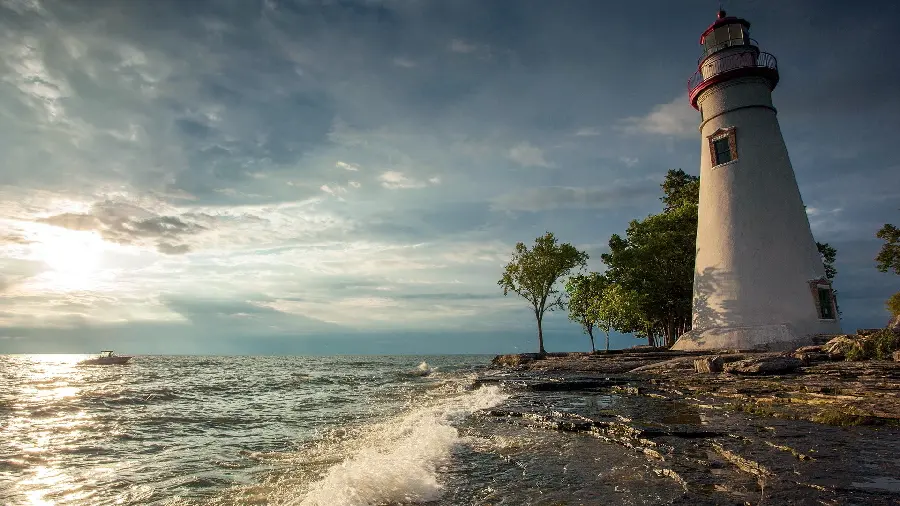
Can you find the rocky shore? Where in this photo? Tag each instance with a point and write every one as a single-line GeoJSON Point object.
{"type": "Point", "coordinates": [800, 427]}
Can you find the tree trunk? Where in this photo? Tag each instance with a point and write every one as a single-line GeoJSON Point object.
{"type": "Point", "coordinates": [591, 334]}
{"type": "Point", "coordinates": [607, 341]}
{"type": "Point", "coordinates": [540, 337]}
{"type": "Point", "coordinates": [670, 333]}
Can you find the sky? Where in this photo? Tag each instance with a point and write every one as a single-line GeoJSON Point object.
{"type": "Point", "coordinates": [350, 176]}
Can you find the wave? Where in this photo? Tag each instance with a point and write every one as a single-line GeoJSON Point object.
{"type": "Point", "coordinates": [389, 462]}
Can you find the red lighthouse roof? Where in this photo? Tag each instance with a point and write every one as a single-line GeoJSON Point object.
{"type": "Point", "coordinates": [722, 19]}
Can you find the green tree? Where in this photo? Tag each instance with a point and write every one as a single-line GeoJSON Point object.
{"type": "Point", "coordinates": [656, 261]}
{"type": "Point", "coordinates": [889, 256]}
{"type": "Point", "coordinates": [828, 255]}
{"type": "Point", "coordinates": [893, 304]}
{"type": "Point", "coordinates": [533, 275]}
{"type": "Point", "coordinates": [889, 259]}
{"type": "Point", "coordinates": [680, 189]}
{"type": "Point", "coordinates": [619, 309]}
{"type": "Point", "coordinates": [585, 292]}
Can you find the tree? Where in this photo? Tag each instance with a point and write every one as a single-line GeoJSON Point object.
{"type": "Point", "coordinates": [533, 274]}
{"type": "Point", "coordinates": [889, 259]}
{"type": "Point", "coordinates": [618, 309]}
{"type": "Point", "coordinates": [656, 261]}
{"type": "Point", "coordinates": [585, 292]}
{"type": "Point", "coordinates": [680, 189]}
{"type": "Point", "coordinates": [893, 304]}
{"type": "Point", "coordinates": [889, 256]}
{"type": "Point", "coordinates": [829, 255]}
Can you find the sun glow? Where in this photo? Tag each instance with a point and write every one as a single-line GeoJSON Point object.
{"type": "Point", "coordinates": [74, 259]}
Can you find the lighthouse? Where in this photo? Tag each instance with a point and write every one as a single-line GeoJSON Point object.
{"type": "Point", "coordinates": [759, 282]}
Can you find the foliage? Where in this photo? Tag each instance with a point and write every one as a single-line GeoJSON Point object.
{"type": "Point", "coordinates": [619, 309]}
{"type": "Point", "coordinates": [533, 274]}
{"type": "Point", "coordinates": [656, 260]}
{"type": "Point", "coordinates": [585, 292]}
{"type": "Point", "coordinates": [680, 189]}
{"type": "Point", "coordinates": [829, 255]}
{"type": "Point", "coordinates": [893, 304]}
{"type": "Point", "coordinates": [879, 345]}
{"type": "Point", "coordinates": [889, 256]}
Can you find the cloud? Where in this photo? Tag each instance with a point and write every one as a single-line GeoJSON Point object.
{"type": "Point", "coordinates": [126, 223]}
{"type": "Point", "coordinates": [549, 198]}
{"type": "Point", "coordinates": [334, 190]}
{"type": "Point", "coordinates": [528, 155]}
{"type": "Point", "coordinates": [629, 161]}
{"type": "Point", "coordinates": [461, 46]}
{"type": "Point", "coordinates": [347, 166]}
{"type": "Point", "coordinates": [395, 180]}
{"type": "Point", "coordinates": [588, 132]}
{"type": "Point", "coordinates": [676, 118]}
{"type": "Point", "coordinates": [13, 239]}
{"type": "Point", "coordinates": [404, 62]}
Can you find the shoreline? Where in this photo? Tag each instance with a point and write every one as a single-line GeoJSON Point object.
{"type": "Point", "coordinates": [809, 385]}
{"type": "Point", "coordinates": [822, 431]}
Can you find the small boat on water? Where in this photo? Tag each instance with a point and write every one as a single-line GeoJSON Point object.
{"type": "Point", "coordinates": [106, 357]}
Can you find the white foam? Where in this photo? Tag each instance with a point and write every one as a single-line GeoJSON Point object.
{"type": "Point", "coordinates": [398, 460]}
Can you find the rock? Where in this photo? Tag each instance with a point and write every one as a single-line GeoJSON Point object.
{"type": "Point", "coordinates": [708, 364]}
{"type": "Point", "coordinates": [838, 347]}
{"type": "Point", "coordinates": [769, 365]}
{"type": "Point", "coordinates": [897, 356]}
{"type": "Point", "coordinates": [515, 359]}
{"type": "Point", "coordinates": [810, 354]}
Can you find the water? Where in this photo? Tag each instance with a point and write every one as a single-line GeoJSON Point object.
{"type": "Point", "coordinates": [392, 431]}
{"type": "Point", "coordinates": [196, 430]}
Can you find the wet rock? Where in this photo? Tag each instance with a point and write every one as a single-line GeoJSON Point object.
{"type": "Point", "coordinates": [514, 360]}
{"type": "Point", "coordinates": [767, 365]}
{"type": "Point", "coordinates": [709, 364]}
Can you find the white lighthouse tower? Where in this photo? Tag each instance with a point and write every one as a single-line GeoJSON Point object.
{"type": "Point", "coordinates": [759, 281]}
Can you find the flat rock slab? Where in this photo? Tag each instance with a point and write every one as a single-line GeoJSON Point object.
{"type": "Point", "coordinates": [768, 365]}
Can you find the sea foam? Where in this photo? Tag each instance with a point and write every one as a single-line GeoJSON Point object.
{"type": "Point", "coordinates": [398, 460]}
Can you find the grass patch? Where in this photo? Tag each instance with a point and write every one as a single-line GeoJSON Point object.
{"type": "Point", "coordinates": [840, 418]}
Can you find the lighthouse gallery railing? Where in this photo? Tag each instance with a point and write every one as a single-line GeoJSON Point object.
{"type": "Point", "coordinates": [727, 63]}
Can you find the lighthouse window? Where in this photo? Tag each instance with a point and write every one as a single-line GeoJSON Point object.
{"type": "Point", "coordinates": [826, 305]}
{"type": "Point", "coordinates": [723, 146]}
{"type": "Point", "coordinates": [722, 150]}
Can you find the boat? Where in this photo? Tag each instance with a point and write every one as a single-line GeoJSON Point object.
{"type": "Point", "coordinates": [106, 357]}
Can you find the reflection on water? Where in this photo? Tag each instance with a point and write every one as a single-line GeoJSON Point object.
{"type": "Point", "coordinates": [39, 421]}
{"type": "Point", "coordinates": [163, 428]}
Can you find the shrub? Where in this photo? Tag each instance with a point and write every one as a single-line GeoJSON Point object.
{"type": "Point", "coordinates": [893, 304]}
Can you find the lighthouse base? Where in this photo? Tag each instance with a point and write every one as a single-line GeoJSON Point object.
{"type": "Point", "coordinates": [763, 338]}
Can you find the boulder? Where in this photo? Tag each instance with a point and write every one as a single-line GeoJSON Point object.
{"type": "Point", "coordinates": [767, 365]}
{"type": "Point", "coordinates": [838, 347]}
{"type": "Point", "coordinates": [708, 364]}
{"type": "Point", "coordinates": [897, 356]}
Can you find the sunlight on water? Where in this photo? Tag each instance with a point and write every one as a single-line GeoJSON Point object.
{"type": "Point", "coordinates": [47, 384]}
